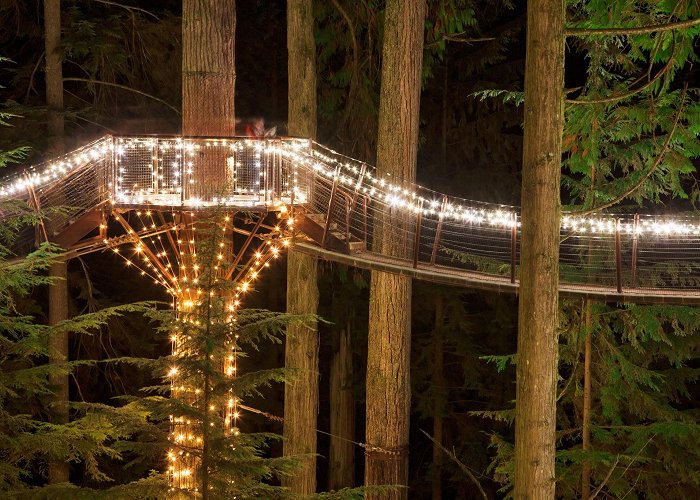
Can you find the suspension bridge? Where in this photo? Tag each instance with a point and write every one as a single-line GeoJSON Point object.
{"type": "Point", "coordinates": [148, 192]}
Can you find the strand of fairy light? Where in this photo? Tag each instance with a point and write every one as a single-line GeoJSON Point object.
{"type": "Point", "coordinates": [183, 169]}
{"type": "Point", "coordinates": [53, 171]}
{"type": "Point", "coordinates": [381, 190]}
{"type": "Point", "coordinates": [231, 411]}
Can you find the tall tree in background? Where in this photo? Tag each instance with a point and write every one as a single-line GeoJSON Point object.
{"type": "Point", "coordinates": [301, 348]}
{"type": "Point", "coordinates": [208, 67]}
{"type": "Point", "coordinates": [58, 290]}
{"type": "Point", "coordinates": [388, 370]}
{"type": "Point", "coordinates": [535, 407]}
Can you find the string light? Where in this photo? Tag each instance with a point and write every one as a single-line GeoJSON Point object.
{"type": "Point", "coordinates": [288, 164]}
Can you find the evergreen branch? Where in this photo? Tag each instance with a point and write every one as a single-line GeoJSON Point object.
{"type": "Point", "coordinates": [599, 488]}
{"type": "Point", "coordinates": [632, 30]}
{"type": "Point", "coordinates": [612, 469]}
{"type": "Point", "coordinates": [628, 94]}
{"type": "Point", "coordinates": [30, 86]}
{"type": "Point", "coordinates": [458, 37]}
{"type": "Point", "coordinates": [646, 176]}
{"type": "Point", "coordinates": [128, 7]}
{"type": "Point", "coordinates": [123, 87]}
{"type": "Point", "coordinates": [461, 466]}
{"type": "Point", "coordinates": [355, 64]}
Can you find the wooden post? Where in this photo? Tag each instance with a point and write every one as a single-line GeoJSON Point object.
{"type": "Point", "coordinates": [513, 247]}
{"type": "Point", "coordinates": [416, 241]}
{"type": "Point", "coordinates": [438, 230]}
{"type": "Point", "coordinates": [635, 243]}
{"type": "Point", "coordinates": [618, 256]}
{"type": "Point", "coordinates": [364, 217]}
{"type": "Point", "coordinates": [348, 209]}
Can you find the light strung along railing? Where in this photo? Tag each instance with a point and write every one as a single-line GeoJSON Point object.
{"type": "Point", "coordinates": [608, 255]}
{"type": "Point", "coordinates": [611, 255]}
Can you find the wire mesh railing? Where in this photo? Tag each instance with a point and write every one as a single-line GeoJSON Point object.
{"type": "Point", "coordinates": [617, 252]}
{"type": "Point", "coordinates": [424, 228]}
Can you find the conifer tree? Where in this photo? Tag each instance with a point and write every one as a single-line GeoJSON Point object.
{"type": "Point", "coordinates": [209, 451]}
{"type": "Point", "coordinates": [27, 441]}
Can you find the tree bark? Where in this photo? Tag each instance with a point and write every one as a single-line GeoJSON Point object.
{"type": "Point", "coordinates": [208, 67]}
{"type": "Point", "coordinates": [586, 424]}
{"type": "Point", "coordinates": [389, 339]}
{"type": "Point", "coordinates": [342, 451]}
{"type": "Point", "coordinates": [54, 72]}
{"type": "Point", "coordinates": [301, 50]}
{"type": "Point", "coordinates": [301, 356]}
{"type": "Point", "coordinates": [535, 420]}
{"type": "Point", "coordinates": [438, 399]}
{"type": "Point", "coordinates": [301, 349]}
{"type": "Point", "coordinates": [208, 91]}
{"type": "Point", "coordinates": [59, 471]}
{"type": "Point", "coordinates": [58, 291]}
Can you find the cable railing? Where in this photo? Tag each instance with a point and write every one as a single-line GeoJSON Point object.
{"type": "Point", "coordinates": [424, 229]}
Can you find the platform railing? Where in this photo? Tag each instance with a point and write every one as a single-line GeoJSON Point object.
{"type": "Point", "coordinates": [616, 252]}
{"type": "Point", "coordinates": [619, 252]}
{"type": "Point", "coordinates": [201, 172]}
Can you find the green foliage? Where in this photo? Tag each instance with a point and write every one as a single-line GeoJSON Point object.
{"type": "Point", "coordinates": [507, 96]}
{"type": "Point", "coordinates": [114, 57]}
{"type": "Point", "coordinates": [644, 426]}
{"type": "Point", "coordinates": [26, 439]}
{"type": "Point", "coordinates": [631, 130]}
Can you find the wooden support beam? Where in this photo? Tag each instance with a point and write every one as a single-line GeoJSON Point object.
{"type": "Point", "coordinates": [618, 257]}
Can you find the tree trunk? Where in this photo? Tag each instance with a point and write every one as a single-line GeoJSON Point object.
{"type": "Point", "coordinates": [54, 72]}
{"type": "Point", "coordinates": [389, 339]}
{"type": "Point", "coordinates": [586, 425]}
{"type": "Point", "coordinates": [301, 349]}
{"type": "Point", "coordinates": [438, 400]}
{"type": "Point", "coordinates": [208, 67]}
{"type": "Point", "coordinates": [535, 420]}
{"type": "Point", "coordinates": [301, 356]}
{"type": "Point", "coordinates": [58, 353]}
{"type": "Point", "coordinates": [208, 90]}
{"type": "Point", "coordinates": [342, 451]}
{"type": "Point", "coordinates": [58, 291]}
{"type": "Point", "coordinates": [301, 50]}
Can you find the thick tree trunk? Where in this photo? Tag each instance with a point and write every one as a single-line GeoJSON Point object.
{"type": "Point", "coordinates": [301, 350]}
{"type": "Point", "coordinates": [301, 356]}
{"type": "Point", "coordinates": [208, 67]}
{"type": "Point", "coordinates": [586, 425]}
{"type": "Point", "coordinates": [342, 451]}
{"type": "Point", "coordinates": [388, 359]}
{"type": "Point", "coordinates": [58, 291]}
{"type": "Point", "coordinates": [301, 50]}
{"type": "Point", "coordinates": [438, 400]}
{"type": "Point", "coordinates": [208, 90]}
{"type": "Point", "coordinates": [535, 420]}
{"type": "Point", "coordinates": [54, 71]}
{"type": "Point", "coordinates": [58, 353]}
